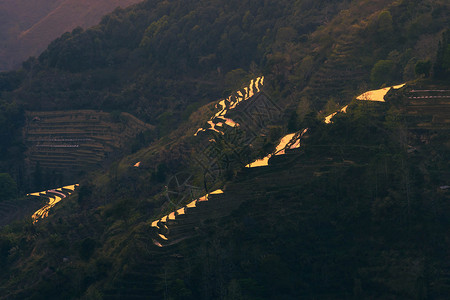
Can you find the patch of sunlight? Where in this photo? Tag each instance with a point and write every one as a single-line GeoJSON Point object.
{"type": "Point", "coordinates": [203, 198]}
{"type": "Point", "coordinates": [280, 149]}
{"type": "Point", "coordinates": [192, 204]}
{"type": "Point", "coordinates": [216, 192]}
{"type": "Point", "coordinates": [378, 95]}
{"type": "Point", "coordinates": [70, 187]}
{"type": "Point", "coordinates": [43, 212]}
{"type": "Point", "coordinates": [182, 211]}
{"type": "Point", "coordinates": [259, 162]}
{"type": "Point", "coordinates": [289, 141]}
{"type": "Point", "coordinates": [137, 165]}
{"type": "Point", "coordinates": [54, 196]}
{"type": "Point", "coordinates": [329, 117]}
{"type": "Point", "coordinates": [225, 105]}
{"type": "Point", "coordinates": [296, 144]}
{"type": "Point", "coordinates": [199, 130]}
{"type": "Point", "coordinates": [163, 236]}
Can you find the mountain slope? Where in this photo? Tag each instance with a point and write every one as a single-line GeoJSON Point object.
{"type": "Point", "coordinates": [360, 211]}
{"type": "Point", "coordinates": [161, 60]}
{"type": "Point", "coordinates": [28, 26]}
{"type": "Point", "coordinates": [353, 214]}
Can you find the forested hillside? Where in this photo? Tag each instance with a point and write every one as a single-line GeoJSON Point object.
{"type": "Point", "coordinates": [357, 209]}
{"type": "Point", "coordinates": [161, 60]}
{"type": "Point", "coordinates": [26, 27]}
{"type": "Point", "coordinates": [163, 55]}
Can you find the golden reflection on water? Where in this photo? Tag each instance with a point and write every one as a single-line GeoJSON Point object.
{"type": "Point", "coordinates": [280, 149]}
{"type": "Point", "coordinates": [163, 236]}
{"type": "Point", "coordinates": [155, 224]}
{"type": "Point", "coordinates": [54, 196]}
{"type": "Point", "coordinates": [219, 191]}
{"type": "Point", "coordinates": [378, 95]}
{"type": "Point", "coordinates": [182, 211]}
{"type": "Point", "coordinates": [374, 95]}
{"type": "Point", "coordinates": [289, 141]}
{"type": "Point", "coordinates": [225, 105]}
{"type": "Point", "coordinates": [259, 162]}
{"type": "Point", "coordinates": [329, 117]}
{"type": "Point", "coordinates": [192, 204]}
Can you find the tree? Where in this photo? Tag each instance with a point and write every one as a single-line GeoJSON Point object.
{"type": "Point", "coordinates": [234, 78]}
{"type": "Point", "coordinates": [442, 64]}
{"type": "Point", "coordinates": [423, 67]}
{"type": "Point", "coordinates": [381, 72]}
{"type": "Point", "coordinates": [8, 187]}
{"type": "Point", "coordinates": [384, 24]}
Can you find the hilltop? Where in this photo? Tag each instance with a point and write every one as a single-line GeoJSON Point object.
{"type": "Point", "coordinates": [27, 27]}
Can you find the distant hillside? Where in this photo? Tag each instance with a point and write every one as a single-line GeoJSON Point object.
{"type": "Point", "coordinates": [68, 142]}
{"type": "Point", "coordinates": [359, 211]}
{"type": "Point", "coordinates": [28, 26]}
{"type": "Point", "coordinates": [168, 55]}
{"type": "Point", "coordinates": [162, 60]}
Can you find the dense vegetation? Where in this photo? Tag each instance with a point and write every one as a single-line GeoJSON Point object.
{"type": "Point", "coordinates": [161, 60]}
{"type": "Point", "coordinates": [354, 215]}
{"type": "Point", "coordinates": [371, 225]}
{"type": "Point", "coordinates": [26, 27]}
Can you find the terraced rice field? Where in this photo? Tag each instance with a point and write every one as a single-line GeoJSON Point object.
{"type": "Point", "coordinates": [54, 196]}
{"type": "Point", "coordinates": [77, 140]}
{"type": "Point", "coordinates": [217, 122]}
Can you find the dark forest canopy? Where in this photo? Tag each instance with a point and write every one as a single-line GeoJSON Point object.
{"type": "Point", "coordinates": [161, 60]}
{"type": "Point", "coordinates": [164, 55]}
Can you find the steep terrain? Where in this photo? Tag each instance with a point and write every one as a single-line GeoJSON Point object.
{"type": "Point", "coordinates": [359, 211]}
{"type": "Point", "coordinates": [77, 140]}
{"type": "Point", "coordinates": [27, 27]}
{"type": "Point", "coordinates": [162, 60]}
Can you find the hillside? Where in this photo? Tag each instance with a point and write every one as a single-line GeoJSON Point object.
{"type": "Point", "coordinates": [358, 211]}
{"type": "Point", "coordinates": [67, 143]}
{"type": "Point", "coordinates": [162, 60]}
{"type": "Point", "coordinates": [352, 208]}
{"type": "Point", "coordinates": [27, 27]}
